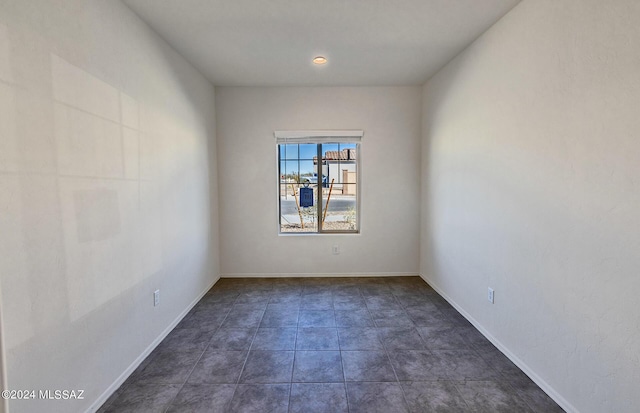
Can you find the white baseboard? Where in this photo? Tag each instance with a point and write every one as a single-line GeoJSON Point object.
{"type": "Point", "coordinates": [319, 275]}
{"type": "Point", "coordinates": [121, 379]}
{"type": "Point", "coordinates": [562, 402]}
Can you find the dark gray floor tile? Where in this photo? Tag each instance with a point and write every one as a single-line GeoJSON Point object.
{"type": "Point", "coordinates": [391, 318]}
{"type": "Point", "coordinates": [243, 318]}
{"type": "Point", "coordinates": [359, 338]}
{"type": "Point", "coordinates": [417, 365]}
{"type": "Point", "coordinates": [291, 299]}
{"type": "Point", "coordinates": [455, 317]}
{"type": "Point", "coordinates": [318, 287]}
{"type": "Point", "coordinates": [414, 286]}
{"type": "Point", "coordinates": [376, 398]}
{"type": "Point", "coordinates": [465, 365]}
{"type": "Point", "coordinates": [474, 338]}
{"type": "Point", "coordinates": [275, 339]}
{"type": "Point", "coordinates": [448, 347]}
{"type": "Point", "coordinates": [218, 366]}
{"type": "Point", "coordinates": [317, 338]}
{"type": "Point", "coordinates": [316, 318]}
{"type": "Point", "coordinates": [168, 367]}
{"type": "Point", "coordinates": [426, 305]}
{"type": "Point", "coordinates": [132, 379]}
{"type": "Point", "coordinates": [367, 366]}
{"type": "Point", "coordinates": [219, 301]}
{"type": "Point", "coordinates": [260, 398]}
{"type": "Point", "coordinates": [105, 406]}
{"type": "Point", "coordinates": [203, 321]}
{"type": "Point", "coordinates": [443, 338]}
{"type": "Point", "coordinates": [221, 297]}
{"type": "Point", "coordinates": [371, 290]}
{"type": "Point", "coordinates": [280, 315]}
{"type": "Point", "coordinates": [433, 396]}
{"type": "Point", "coordinates": [265, 366]}
{"type": "Point", "coordinates": [203, 398]}
{"type": "Point", "coordinates": [441, 302]}
{"type": "Point", "coordinates": [346, 291]}
{"type": "Point", "coordinates": [401, 338]}
{"type": "Point", "coordinates": [287, 286]}
{"type": "Point", "coordinates": [412, 299]}
{"type": "Point", "coordinates": [322, 294]}
{"type": "Point", "coordinates": [491, 397]}
{"type": "Point", "coordinates": [283, 306]}
{"type": "Point", "coordinates": [504, 366]}
{"type": "Point", "coordinates": [317, 302]}
{"type": "Point", "coordinates": [318, 398]}
{"type": "Point", "coordinates": [232, 338]}
{"type": "Point", "coordinates": [317, 367]}
{"type": "Point", "coordinates": [250, 305]}
{"type": "Point", "coordinates": [349, 303]}
{"type": "Point", "coordinates": [427, 317]}
{"type": "Point", "coordinates": [353, 318]}
{"type": "Point", "coordinates": [186, 339]}
{"type": "Point", "coordinates": [535, 398]}
{"type": "Point", "coordinates": [382, 302]}
{"type": "Point", "coordinates": [144, 398]}
{"type": "Point", "coordinates": [257, 299]}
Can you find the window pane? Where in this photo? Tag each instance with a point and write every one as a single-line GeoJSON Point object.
{"type": "Point", "coordinates": [339, 197]}
{"type": "Point", "coordinates": [293, 217]}
{"type": "Point", "coordinates": [335, 188]}
{"type": "Point", "coordinates": [330, 147]}
{"type": "Point", "coordinates": [307, 172]}
{"type": "Point", "coordinates": [292, 172]}
{"type": "Point", "coordinates": [291, 151]}
{"type": "Point", "coordinates": [308, 151]}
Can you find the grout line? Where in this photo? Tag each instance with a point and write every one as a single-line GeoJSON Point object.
{"type": "Point", "coordinates": [344, 373]}
{"type": "Point", "coordinates": [476, 350]}
{"type": "Point", "coordinates": [210, 340]}
{"type": "Point", "coordinates": [251, 345]}
{"type": "Point", "coordinates": [386, 351]}
{"type": "Point", "coordinates": [295, 346]}
{"type": "Point", "coordinates": [202, 354]}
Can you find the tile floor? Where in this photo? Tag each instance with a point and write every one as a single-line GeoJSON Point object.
{"type": "Point", "coordinates": [326, 345]}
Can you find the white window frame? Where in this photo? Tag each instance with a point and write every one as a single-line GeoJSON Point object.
{"type": "Point", "coordinates": [284, 137]}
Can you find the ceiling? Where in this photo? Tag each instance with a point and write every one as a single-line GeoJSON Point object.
{"type": "Point", "coordinates": [272, 42]}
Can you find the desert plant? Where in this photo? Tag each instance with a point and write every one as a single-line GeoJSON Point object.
{"type": "Point", "coordinates": [350, 217]}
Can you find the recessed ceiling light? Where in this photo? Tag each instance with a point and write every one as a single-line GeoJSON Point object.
{"type": "Point", "coordinates": [319, 60]}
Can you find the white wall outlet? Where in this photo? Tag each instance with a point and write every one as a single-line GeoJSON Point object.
{"type": "Point", "coordinates": [490, 295]}
{"type": "Point", "coordinates": [335, 250]}
{"type": "Point", "coordinates": [156, 298]}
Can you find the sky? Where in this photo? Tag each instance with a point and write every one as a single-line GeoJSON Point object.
{"type": "Point", "coordinates": [298, 158]}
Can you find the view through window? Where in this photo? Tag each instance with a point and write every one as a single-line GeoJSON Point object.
{"type": "Point", "coordinates": [318, 189]}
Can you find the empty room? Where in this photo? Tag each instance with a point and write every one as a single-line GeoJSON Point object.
{"type": "Point", "coordinates": [319, 206]}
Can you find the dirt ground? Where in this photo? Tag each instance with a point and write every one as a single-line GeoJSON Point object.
{"type": "Point", "coordinates": [309, 227]}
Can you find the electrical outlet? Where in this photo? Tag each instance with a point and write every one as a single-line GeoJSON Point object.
{"type": "Point", "coordinates": [156, 298]}
{"type": "Point", "coordinates": [490, 295]}
{"type": "Point", "coordinates": [335, 250]}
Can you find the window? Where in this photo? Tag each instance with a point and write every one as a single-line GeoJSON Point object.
{"type": "Point", "coordinates": [318, 183]}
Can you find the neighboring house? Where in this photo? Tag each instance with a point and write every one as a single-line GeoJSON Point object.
{"type": "Point", "coordinates": [341, 167]}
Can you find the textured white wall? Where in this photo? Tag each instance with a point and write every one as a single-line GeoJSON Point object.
{"type": "Point", "coordinates": [388, 242]}
{"type": "Point", "coordinates": [531, 185]}
{"type": "Point", "coordinates": [105, 193]}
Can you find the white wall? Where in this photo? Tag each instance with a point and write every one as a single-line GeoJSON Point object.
{"type": "Point", "coordinates": [105, 186]}
{"type": "Point", "coordinates": [388, 242]}
{"type": "Point", "coordinates": [531, 185]}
